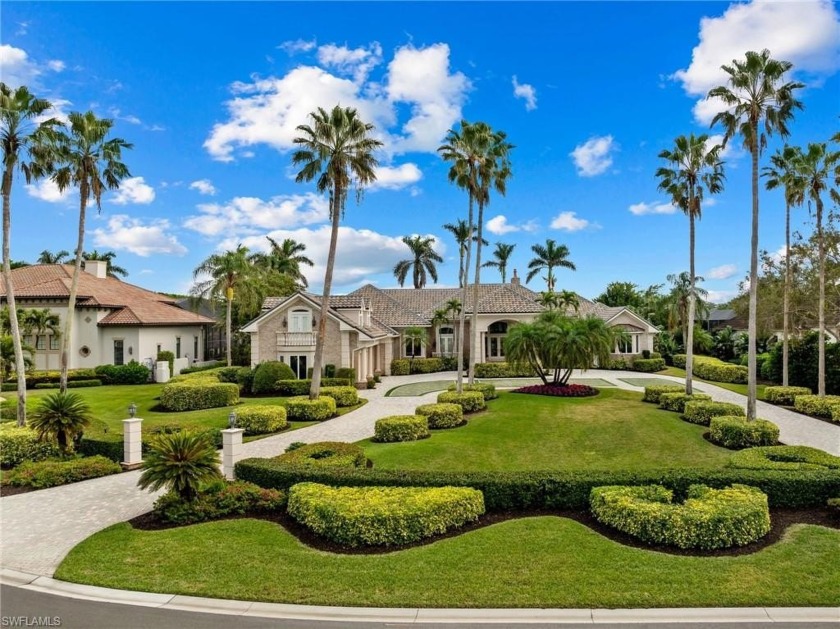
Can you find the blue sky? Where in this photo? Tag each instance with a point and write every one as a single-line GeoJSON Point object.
{"type": "Point", "coordinates": [590, 93]}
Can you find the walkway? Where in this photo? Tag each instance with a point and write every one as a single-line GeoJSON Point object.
{"type": "Point", "coordinates": [39, 528]}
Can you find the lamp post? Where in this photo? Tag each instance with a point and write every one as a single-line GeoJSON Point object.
{"type": "Point", "coordinates": [132, 410]}
{"type": "Point", "coordinates": [231, 447]}
{"type": "Point", "coordinates": [232, 420]}
{"type": "Point", "coordinates": [132, 439]}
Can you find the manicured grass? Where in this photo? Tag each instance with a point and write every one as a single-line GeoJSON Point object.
{"type": "Point", "coordinates": [418, 388]}
{"type": "Point", "coordinates": [422, 388]}
{"type": "Point", "coordinates": [532, 562]}
{"type": "Point", "coordinates": [614, 430]}
{"type": "Point", "coordinates": [737, 388]}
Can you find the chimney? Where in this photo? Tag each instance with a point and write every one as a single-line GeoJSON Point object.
{"type": "Point", "coordinates": [515, 279]}
{"type": "Point", "coordinates": [367, 313]}
{"type": "Point", "coordinates": [97, 268]}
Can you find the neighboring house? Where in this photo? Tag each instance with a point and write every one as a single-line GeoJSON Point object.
{"type": "Point", "coordinates": [719, 318]}
{"type": "Point", "coordinates": [365, 327]}
{"type": "Point", "coordinates": [114, 322]}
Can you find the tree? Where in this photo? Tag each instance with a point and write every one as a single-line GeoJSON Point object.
{"type": "Point", "coordinates": [48, 257]}
{"type": "Point", "coordinates": [420, 264]}
{"type": "Point", "coordinates": [338, 150]}
{"type": "Point", "coordinates": [618, 294]}
{"type": "Point", "coordinates": [181, 462]}
{"type": "Point", "coordinates": [25, 143]}
{"type": "Point", "coordinates": [414, 336]}
{"type": "Point", "coordinates": [112, 270]}
{"type": "Point", "coordinates": [40, 322]}
{"type": "Point", "coordinates": [7, 356]}
{"type": "Point", "coordinates": [568, 300]}
{"type": "Point", "coordinates": [755, 94]}
{"type": "Point", "coordinates": [285, 258]}
{"type": "Point", "coordinates": [88, 160]}
{"type": "Point", "coordinates": [61, 417]}
{"type": "Point", "coordinates": [678, 300]}
{"type": "Point", "coordinates": [549, 257]}
{"type": "Point", "coordinates": [501, 255]}
{"type": "Point", "coordinates": [693, 169]}
{"type": "Point", "coordinates": [460, 231]}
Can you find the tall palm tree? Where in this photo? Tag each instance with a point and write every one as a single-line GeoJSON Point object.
{"type": "Point", "coordinates": [48, 257]}
{"type": "Point", "coordinates": [25, 143]}
{"type": "Point", "coordinates": [107, 257]}
{"type": "Point", "coordinates": [460, 230]}
{"type": "Point", "coordinates": [781, 173]}
{"type": "Point", "coordinates": [755, 95]}
{"type": "Point", "coordinates": [41, 321]}
{"type": "Point", "coordinates": [337, 148]}
{"type": "Point", "coordinates": [819, 171]}
{"type": "Point", "coordinates": [678, 301]}
{"type": "Point", "coordinates": [92, 162]}
{"type": "Point", "coordinates": [286, 258]}
{"type": "Point", "coordinates": [501, 255]}
{"type": "Point", "coordinates": [693, 169]}
{"type": "Point", "coordinates": [421, 263]}
{"type": "Point", "coordinates": [549, 257]}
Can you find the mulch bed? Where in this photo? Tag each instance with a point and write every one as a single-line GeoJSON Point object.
{"type": "Point", "coordinates": [11, 490]}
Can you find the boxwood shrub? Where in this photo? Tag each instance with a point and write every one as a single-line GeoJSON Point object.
{"type": "Point", "coordinates": [784, 458]}
{"type": "Point", "coordinates": [39, 377]}
{"type": "Point", "coordinates": [710, 368]}
{"type": "Point", "coordinates": [261, 419]}
{"type": "Point", "coordinates": [325, 454]}
{"type": "Point", "coordinates": [268, 373]}
{"type": "Point", "coordinates": [653, 393]}
{"type": "Point", "coordinates": [301, 387]}
{"type": "Point", "coordinates": [784, 395]}
{"type": "Point", "coordinates": [198, 393]}
{"type": "Point", "coordinates": [442, 415]}
{"type": "Point", "coordinates": [112, 449]}
{"type": "Point", "coordinates": [648, 365]}
{"type": "Point", "coordinates": [235, 498]}
{"type": "Point", "coordinates": [708, 519]}
{"type": "Point", "coordinates": [469, 401]}
{"type": "Point", "coordinates": [54, 472]}
{"type": "Point", "coordinates": [485, 388]}
{"type": "Point", "coordinates": [382, 516]}
{"type": "Point", "coordinates": [303, 409]}
{"type": "Point", "coordinates": [346, 373]}
{"type": "Point", "coordinates": [677, 401]}
{"type": "Point", "coordinates": [503, 370]}
{"type": "Point", "coordinates": [698, 412]}
{"type": "Point", "coordinates": [21, 444]}
{"type": "Point", "coordinates": [130, 373]}
{"type": "Point", "coordinates": [343, 396]}
{"type": "Point", "coordinates": [401, 428]}
{"type": "Point", "coordinates": [75, 384]}
{"type": "Point", "coordinates": [816, 405]}
{"type": "Point", "coordinates": [399, 367]}
{"type": "Point", "coordinates": [737, 432]}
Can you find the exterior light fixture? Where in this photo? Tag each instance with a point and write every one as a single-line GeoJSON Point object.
{"type": "Point", "coordinates": [232, 420]}
{"type": "Point", "coordinates": [132, 410]}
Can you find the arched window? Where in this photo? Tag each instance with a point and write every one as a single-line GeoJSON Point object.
{"type": "Point", "coordinates": [300, 320]}
{"type": "Point", "coordinates": [494, 341]}
{"type": "Point", "coordinates": [500, 327]}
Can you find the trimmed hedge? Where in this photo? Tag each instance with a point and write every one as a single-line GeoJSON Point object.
{"type": "Point", "coordinates": [325, 454]}
{"type": "Point", "coordinates": [301, 387]}
{"type": "Point", "coordinates": [485, 388]}
{"type": "Point", "coordinates": [21, 444]}
{"type": "Point", "coordinates": [268, 373]}
{"type": "Point", "coordinates": [112, 449]}
{"type": "Point", "coordinates": [653, 393]}
{"type": "Point", "coordinates": [677, 401]}
{"type": "Point", "coordinates": [469, 401]}
{"type": "Point", "coordinates": [737, 432]}
{"type": "Point", "coordinates": [559, 390]}
{"type": "Point", "coordinates": [261, 419]}
{"type": "Point", "coordinates": [708, 519]}
{"type": "Point", "coordinates": [784, 395]}
{"type": "Point", "coordinates": [648, 365]}
{"type": "Point", "coordinates": [406, 366]}
{"type": "Point", "coordinates": [382, 516]}
{"type": "Point", "coordinates": [343, 396]}
{"type": "Point", "coordinates": [39, 377]}
{"type": "Point", "coordinates": [503, 370]}
{"type": "Point", "coordinates": [714, 369]}
{"type": "Point", "coordinates": [345, 373]}
{"type": "Point", "coordinates": [235, 498]}
{"type": "Point", "coordinates": [399, 367]}
{"type": "Point", "coordinates": [816, 405]}
{"type": "Point", "coordinates": [702, 412]}
{"type": "Point", "coordinates": [401, 428]}
{"type": "Point", "coordinates": [131, 373]}
{"type": "Point", "coordinates": [75, 384]}
{"type": "Point", "coordinates": [214, 365]}
{"type": "Point", "coordinates": [793, 458]}
{"type": "Point", "coordinates": [51, 473]}
{"type": "Point", "coordinates": [442, 415]}
{"type": "Point", "coordinates": [198, 393]}
{"type": "Point", "coordinates": [303, 409]}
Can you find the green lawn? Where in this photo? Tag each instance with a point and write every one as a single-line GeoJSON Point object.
{"type": "Point", "coordinates": [737, 388]}
{"type": "Point", "coordinates": [615, 430]}
{"type": "Point", "coordinates": [530, 562]}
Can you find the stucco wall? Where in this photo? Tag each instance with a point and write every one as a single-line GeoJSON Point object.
{"type": "Point", "coordinates": [266, 347]}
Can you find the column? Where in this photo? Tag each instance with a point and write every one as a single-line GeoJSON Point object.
{"type": "Point", "coordinates": [231, 450]}
{"type": "Point", "coordinates": [389, 356]}
{"type": "Point", "coordinates": [132, 443]}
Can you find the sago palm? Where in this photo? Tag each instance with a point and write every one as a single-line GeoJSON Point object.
{"type": "Point", "coordinates": [422, 261]}
{"type": "Point", "coordinates": [501, 255]}
{"type": "Point", "coordinates": [549, 257]}
{"type": "Point", "coordinates": [182, 462]}
{"type": "Point", "coordinates": [61, 417]}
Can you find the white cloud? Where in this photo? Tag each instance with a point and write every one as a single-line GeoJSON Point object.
{"type": "Point", "coordinates": [56, 65]}
{"type": "Point", "coordinates": [47, 190]}
{"type": "Point", "coordinates": [593, 156]}
{"type": "Point", "coordinates": [134, 190]}
{"type": "Point", "coordinates": [721, 296]}
{"type": "Point", "coordinates": [293, 47]}
{"type": "Point", "coordinates": [16, 67]}
{"type": "Point", "coordinates": [356, 62]}
{"type": "Point", "coordinates": [722, 272]}
{"type": "Point", "coordinates": [568, 221]}
{"type": "Point", "coordinates": [806, 33]}
{"type": "Point", "coordinates": [130, 234]}
{"type": "Point", "coordinates": [640, 209]}
{"type": "Point", "coordinates": [396, 177]}
{"type": "Point", "coordinates": [58, 111]}
{"type": "Point", "coordinates": [129, 118]}
{"type": "Point", "coordinates": [526, 92]}
{"type": "Point", "coordinates": [499, 225]}
{"type": "Point", "coordinates": [249, 215]}
{"type": "Point", "coordinates": [204, 186]}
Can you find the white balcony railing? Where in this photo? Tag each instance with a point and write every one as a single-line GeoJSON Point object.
{"type": "Point", "coordinates": [295, 339]}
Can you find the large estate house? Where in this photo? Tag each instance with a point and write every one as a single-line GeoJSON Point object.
{"type": "Point", "coordinates": [366, 328]}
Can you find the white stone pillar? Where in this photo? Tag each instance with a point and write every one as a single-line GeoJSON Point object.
{"type": "Point", "coordinates": [389, 356]}
{"type": "Point", "coordinates": [132, 443]}
{"type": "Point", "coordinates": [162, 374]}
{"type": "Point", "coordinates": [231, 450]}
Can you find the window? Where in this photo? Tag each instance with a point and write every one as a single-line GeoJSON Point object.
{"type": "Point", "coordinates": [54, 344]}
{"type": "Point", "coordinates": [41, 341]}
{"type": "Point", "coordinates": [413, 348]}
{"type": "Point", "coordinates": [494, 341]}
{"type": "Point", "coordinates": [195, 348]}
{"type": "Point", "coordinates": [118, 352]}
{"type": "Point", "coordinates": [298, 365]}
{"type": "Point", "coordinates": [628, 345]}
{"type": "Point", "coordinates": [159, 348]}
{"type": "Point", "coordinates": [447, 341]}
{"type": "Point", "coordinates": [177, 347]}
{"type": "Point", "coordinates": [300, 321]}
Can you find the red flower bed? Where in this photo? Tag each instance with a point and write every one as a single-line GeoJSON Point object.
{"type": "Point", "coordinates": [569, 390]}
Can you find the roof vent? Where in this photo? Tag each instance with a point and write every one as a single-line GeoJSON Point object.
{"type": "Point", "coordinates": [97, 268]}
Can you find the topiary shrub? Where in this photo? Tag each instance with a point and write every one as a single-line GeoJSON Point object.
{"type": "Point", "coordinates": [784, 395]}
{"type": "Point", "coordinates": [485, 388]}
{"type": "Point", "coordinates": [790, 458]}
{"type": "Point", "coordinates": [470, 401]}
{"type": "Point", "coordinates": [702, 412]}
{"type": "Point", "coordinates": [130, 373]}
{"type": "Point", "coordinates": [652, 393]}
{"type": "Point", "coordinates": [51, 473]}
{"type": "Point", "coordinates": [716, 370]}
{"type": "Point", "coordinates": [816, 405]}
{"type": "Point", "coordinates": [442, 415]}
{"type": "Point", "coordinates": [196, 394]}
{"type": "Point", "coordinates": [708, 519]}
{"type": "Point", "coordinates": [261, 419]}
{"type": "Point", "coordinates": [382, 516]}
{"type": "Point", "coordinates": [228, 374]}
{"type": "Point", "coordinates": [343, 396]}
{"type": "Point", "coordinates": [303, 409]}
{"type": "Point", "coordinates": [75, 384]}
{"type": "Point", "coordinates": [401, 428]}
{"type": "Point", "coordinates": [21, 444]}
{"type": "Point", "coordinates": [325, 454]}
{"type": "Point", "coordinates": [425, 365]}
{"type": "Point", "coordinates": [245, 380]}
{"type": "Point", "coordinates": [737, 432]}
{"type": "Point", "coordinates": [679, 360]}
{"type": "Point", "coordinates": [346, 373]}
{"type": "Point", "coordinates": [648, 365]}
{"type": "Point", "coordinates": [236, 498]}
{"type": "Point", "coordinates": [301, 387]}
{"type": "Point", "coordinates": [399, 367]}
{"type": "Point", "coordinates": [503, 370]}
{"type": "Point", "coordinates": [268, 373]}
{"type": "Point", "coordinates": [677, 401]}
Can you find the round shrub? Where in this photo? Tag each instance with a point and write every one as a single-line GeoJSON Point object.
{"type": "Point", "coordinates": [196, 394]}
{"type": "Point", "coordinates": [648, 365]}
{"type": "Point", "coordinates": [51, 473]}
{"type": "Point", "coordinates": [268, 373]}
{"type": "Point", "coordinates": [258, 420]}
{"type": "Point", "coordinates": [737, 432]}
{"type": "Point", "coordinates": [818, 406]}
{"type": "Point", "coordinates": [676, 401]}
{"type": "Point", "coordinates": [784, 396]}
{"type": "Point", "coordinates": [21, 444]}
{"type": "Point", "coordinates": [485, 388]}
{"type": "Point", "coordinates": [325, 454]}
{"type": "Point", "coordinates": [343, 396]}
{"type": "Point", "coordinates": [382, 516]}
{"type": "Point", "coordinates": [652, 393]}
{"type": "Point", "coordinates": [708, 519]}
{"type": "Point", "coordinates": [702, 412]}
{"type": "Point", "coordinates": [784, 458]}
{"type": "Point", "coordinates": [442, 415]}
{"type": "Point", "coordinates": [401, 428]}
{"type": "Point", "coordinates": [469, 401]}
{"type": "Point", "coordinates": [303, 409]}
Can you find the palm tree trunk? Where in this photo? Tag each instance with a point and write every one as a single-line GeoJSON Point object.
{"type": "Point", "coordinates": [335, 208]}
{"type": "Point", "coordinates": [752, 328]}
{"type": "Point", "coordinates": [821, 313]}
{"type": "Point", "coordinates": [20, 365]}
{"type": "Point", "coordinates": [460, 266]}
{"type": "Point", "coordinates": [689, 333]}
{"type": "Point", "coordinates": [503, 269]}
{"type": "Point", "coordinates": [474, 319]}
{"type": "Point", "coordinates": [228, 319]}
{"type": "Point", "coordinates": [74, 287]}
{"type": "Point", "coordinates": [786, 307]}
{"type": "Point", "coordinates": [462, 316]}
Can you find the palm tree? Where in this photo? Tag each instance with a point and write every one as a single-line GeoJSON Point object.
{"type": "Point", "coordinates": [7, 356]}
{"type": "Point", "coordinates": [231, 274]}
{"type": "Point", "coordinates": [501, 255]}
{"type": "Point", "coordinates": [755, 96]}
{"type": "Point", "coordinates": [108, 257]}
{"type": "Point", "coordinates": [48, 257]}
{"type": "Point", "coordinates": [25, 144]}
{"type": "Point", "coordinates": [182, 462]}
{"type": "Point", "coordinates": [40, 322]}
{"type": "Point", "coordinates": [90, 161]}
{"type": "Point", "coordinates": [549, 257]}
{"type": "Point", "coordinates": [285, 258]}
{"type": "Point", "coordinates": [61, 417]}
{"type": "Point", "coordinates": [338, 150]}
{"type": "Point", "coordinates": [693, 169]}
{"type": "Point", "coordinates": [460, 231]}
{"type": "Point", "coordinates": [818, 169]}
{"type": "Point", "coordinates": [422, 262]}
{"type": "Point", "coordinates": [567, 299]}
{"type": "Point", "coordinates": [781, 173]}
{"type": "Point", "coordinates": [678, 301]}
{"type": "Point", "coordinates": [415, 336]}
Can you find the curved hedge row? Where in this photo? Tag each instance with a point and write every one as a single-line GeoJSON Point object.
{"type": "Point", "coordinates": [784, 458]}
{"type": "Point", "coordinates": [653, 393]}
{"type": "Point", "coordinates": [784, 395]}
{"type": "Point", "coordinates": [197, 394]}
{"type": "Point", "coordinates": [303, 409]}
{"type": "Point", "coordinates": [343, 396]}
{"type": "Point", "coordinates": [708, 519]}
{"type": "Point", "coordinates": [325, 454]}
{"type": "Point", "coordinates": [700, 412]}
{"type": "Point", "coordinates": [737, 432]}
{"type": "Point", "coordinates": [677, 401]}
{"type": "Point", "coordinates": [503, 370]}
{"type": "Point", "coordinates": [469, 401]}
{"type": "Point", "coordinates": [382, 516]}
{"type": "Point", "coordinates": [818, 406]}
{"type": "Point", "coordinates": [444, 415]}
{"type": "Point", "coordinates": [261, 419]}
{"type": "Point", "coordinates": [51, 473]}
{"type": "Point", "coordinates": [401, 428]}
{"type": "Point", "coordinates": [301, 387]}
{"type": "Point", "coordinates": [714, 369]}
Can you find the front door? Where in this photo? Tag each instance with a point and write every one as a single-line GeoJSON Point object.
{"type": "Point", "coordinates": [118, 352]}
{"type": "Point", "coordinates": [298, 365]}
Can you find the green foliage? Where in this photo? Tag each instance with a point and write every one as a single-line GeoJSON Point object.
{"type": "Point", "coordinates": [708, 519]}
{"type": "Point", "coordinates": [324, 454]}
{"type": "Point", "coordinates": [702, 412]}
{"type": "Point", "coordinates": [303, 409]}
{"type": "Point", "coordinates": [400, 367]}
{"type": "Point", "coordinates": [62, 418]}
{"type": "Point", "coordinates": [503, 370]}
{"type": "Point", "coordinates": [343, 396]}
{"type": "Point", "coordinates": [181, 462]}
{"type": "Point", "coordinates": [784, 458]}
{"type": "Point", "coordinates": [22, 444]}
{"type": "Point", "coordinates": [442, 415]}
{"type": "Point", "coordinates": [485, 388]}
{"type": "Point", "coordinates": [198, 394]}
{"type": "Point", "coordinates": [76, 384]}
{"type": "Point", "coordinates": [680, 360]}
{"type": "Point", "coordinates": [382, 516]}
{"type": "Point", "coordinates": [346, 373]}
{"type": "Point", "coordinates": [268, 373]}
{"type": "Point", "coordinates": [130, 373]}
{"type": "Point", "coordinates": [301, 387]}
{"type": "Point", "coordinates": [737, 432]}
{"type": "Point", "coordinates": [648, 365]}
{"type": "Point", "coordinates": [112, 449]}
{"type": "Point", "coordinates": [816, 405]}
{"type": "Point", "coordinates": [713, 369]}
{"type": "Point", "coordinates": [784, 395]}
{"type": "Point", "coordinates": [169, 357]}
{"type": "Point", "coordinates": [261, 419]}
{"type": "Point", "coordinates": [677, 401]}
{"type": "Point", "coordinates": [401, 428]}
{"type": "Point", "coordinates": [469, 401]}
{"type": "Point", "coordinates": [236, 498]}
{"type": "Point", "coordinates": [653, 393]}
{"type": "Point", "coordinates": [426, 365]}
{"type": "Point", "coordinates": [51, 473]}
{"type": "Point", "coordinates": [35, 378]}
{"type": "Point", "coordinates": [215, 365]}
{"type": "Point", "coordinates": [802, 363]}
{"type": "Point", "coordinates": [245, 380]}
{"type": "Point", "coordinates": [228, 374]}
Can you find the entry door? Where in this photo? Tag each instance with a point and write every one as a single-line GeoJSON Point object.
{"type": "Point", "coordinates": [298, 365]}
{"type": "Point", "coordinates": [118, 352]}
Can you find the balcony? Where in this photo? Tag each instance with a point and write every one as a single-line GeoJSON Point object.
{"type": "Point", "coordinates": [295, 339]}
